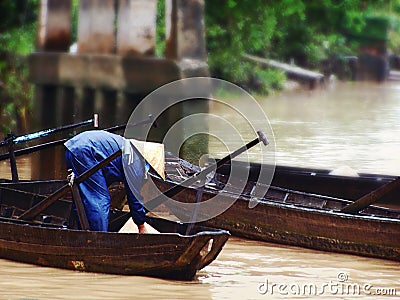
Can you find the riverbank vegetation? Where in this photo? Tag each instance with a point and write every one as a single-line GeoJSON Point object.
{"type": "Point", "coordinates": [311, 34]}
{"type": "Point", "coordinates": [17, 40]}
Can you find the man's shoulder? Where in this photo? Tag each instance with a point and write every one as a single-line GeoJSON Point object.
{"type": "Point", "coordinates": [93, 136]}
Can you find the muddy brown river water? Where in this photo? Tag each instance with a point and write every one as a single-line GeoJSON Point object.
{"type": "Point", "coordinates": [345, 124]}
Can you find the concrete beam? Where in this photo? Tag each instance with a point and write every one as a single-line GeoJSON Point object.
{"type": "Point", "coordinates": [129, 74]}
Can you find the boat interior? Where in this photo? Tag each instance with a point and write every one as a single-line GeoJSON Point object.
{"type": "Point", "coordinates": [17, 198]}
{"type": "Point", "coordinates": [178, 170]}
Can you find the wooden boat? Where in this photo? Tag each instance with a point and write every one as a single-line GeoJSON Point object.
{"type": "Point", "coordinates": [290, 217]}
{"type": "Point", "coordinates": [323, 182]}
{"type": "Point", "coordinates": [52, 239]}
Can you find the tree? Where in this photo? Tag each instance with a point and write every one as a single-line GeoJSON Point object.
{"type": "Point", "coordinates": [17, 39]}
{"type": "Point", "coordinates": [306, 32]}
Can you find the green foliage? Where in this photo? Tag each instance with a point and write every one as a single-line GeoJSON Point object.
{"type": "Point", "coordinates": [393, 17]}
{"type": "Point", "coordinates": [15, 94]}
{"type": "Point", "coordinates": [17, 39]}
{"type": "Point", "coordinates": [394, 41]}
{"type": "Point", "coordinates": [305, 32]}
{"type": "Point", "coordinates": [74, 21]}
{"type": "Point", "coordinates": [160, 29]}
{"type": "Point", "coordinates": [235, 28]}
{"type": "Point", "coordinates": [310, 33]}
{"type": "Point", "coordinates": [17, 13]}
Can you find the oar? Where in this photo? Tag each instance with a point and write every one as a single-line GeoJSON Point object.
{"type": "Point", "coordinates": [43, 146]}
{"type": "Point", "coordinates": [33, 149]}
{"type": "Point", "coordinates": [11, 140]}
{"type": "Point", "coordinates": [46, 202]}
{"type": "Point", "coordinates": [45, 132]}
{"type": "Point", "coordinates": [158, 200]}
{"type": "Point", "coordinates": [371, 197]}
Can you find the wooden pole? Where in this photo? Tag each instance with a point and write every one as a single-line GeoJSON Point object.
{"type": "Point", "coordinates": [80, 208]}
{"type": "Point", "coordinates": [13, 162]}
{"type": "Point", "coordinates": [46, 132]}
{"type": "Point", "coordinates": [38, 208]}
{"type": "Point", "coordinates": [155, 202]}
{"type": "Point", "coordinates": [371, 197]}
{"type": "Point", "coordinates": [62, 141]}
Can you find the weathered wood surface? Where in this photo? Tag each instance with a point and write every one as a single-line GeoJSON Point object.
{"type": "Point", "coordinates": [51, 241]}
{"type": "Point", "coordinates": [322, 182]}
{"type": "Point", "coordinates": [37, 209]}
{"type": "Point", "coordinates": [160, 255]}
{"type": "Point", "coordinates": [372, 197]}
{"type": "Point", "coordinates": [295, 218]}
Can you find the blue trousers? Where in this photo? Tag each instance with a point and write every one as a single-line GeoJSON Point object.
{"type": "Point", "coordinates": [94, 194]}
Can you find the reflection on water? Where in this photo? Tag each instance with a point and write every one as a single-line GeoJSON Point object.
{"type": "Point", "coordinates": [23, 166]}
{"type": "Point", "coordinates": [354, 124]}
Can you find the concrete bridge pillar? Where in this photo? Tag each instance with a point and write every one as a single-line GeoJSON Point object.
{"type": "Point", "coordinates": [115, 65]}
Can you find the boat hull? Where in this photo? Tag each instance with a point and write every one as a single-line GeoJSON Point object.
{"type": "Point", "coordinates": [312, 229]}
{"type": "Point", "coordinates": [162, 255]}
{"type": "Point", "coordinates": [49, 240]}
{"type": "Point", "coordinates": [295, 224]}
{"type": "Point", "coordinates": [321, 182]}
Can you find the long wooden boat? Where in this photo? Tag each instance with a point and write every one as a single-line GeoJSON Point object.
{"type": "Point", "coordinates": [289, 217]}
{"type": "Point", "coordinates": [53, 240]}
{"type": "Point", "coordinates": [323, 182]}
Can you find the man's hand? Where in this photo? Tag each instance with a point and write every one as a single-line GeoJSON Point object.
{"type": "Point", "coordinates": [131, 227]}
{"type": "Point", "coordinates": [142, 228]}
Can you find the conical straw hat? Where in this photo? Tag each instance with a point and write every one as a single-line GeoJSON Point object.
{"type": "Point", "coordinates": [153, 153]}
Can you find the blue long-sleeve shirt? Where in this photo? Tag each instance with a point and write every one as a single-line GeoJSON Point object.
{"type": "Point", "coordinates": [91, 147]}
